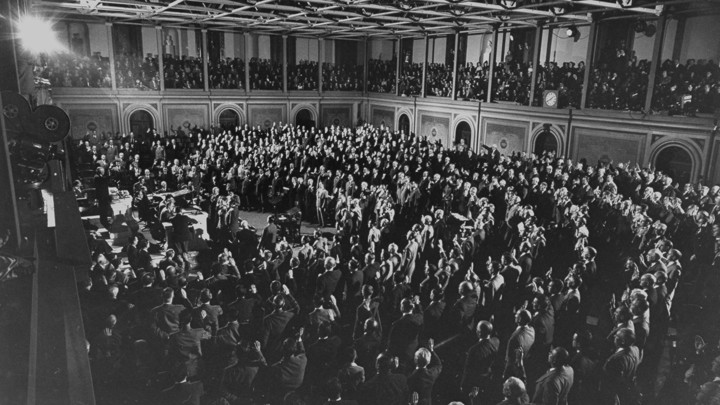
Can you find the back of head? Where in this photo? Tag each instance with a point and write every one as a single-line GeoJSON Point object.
{"type": "Point", "coordinates": [523, 317]}
{"type": "Point", "coordinates": [385, 363]}
{"type": "Point", "coordinates": [624, 338]}
{"type": "Point", "coordinates": [559, 357]}
{"type": "Point", "coordinates": [484, 329]}
{"type": "Point", "coordinates": [422, 357]}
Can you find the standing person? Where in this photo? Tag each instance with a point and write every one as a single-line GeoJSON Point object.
{"type": "Point", "coordinates": [477, 371]}
{"type": "Point", "coordinates": [269, 235]}
{"type": "Point", "coordinates": [102, 192]}
{"type": "Point", "coordinates": [181, 234]}
{"type": "Point", "coordinates": [554, 386]}
{"type": "Point", "coordinates": [428, 367]}
{"type": "Point", "coordinates": [618, 381]}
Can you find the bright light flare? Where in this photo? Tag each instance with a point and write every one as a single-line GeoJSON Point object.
{"type": "Point", "coordinates": [36, 35]}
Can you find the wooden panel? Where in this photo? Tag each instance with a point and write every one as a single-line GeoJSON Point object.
{"type": "Point", "coordinates": [594, 145]}
{"type": "Point", "coordinates": [87, 118]}
{"type": "Point", "coordinates": [507, 136]}
{"type": "Point", "coordinates": [266, 115]}
{"type": "Point", "coordinates": [337, 114]}
{"type": "Point", "coordinates": [435, 127]}
{"type": "Point", "coordinates": [183, 117]}
{"type": "Point", "coordinates": [382, 116]}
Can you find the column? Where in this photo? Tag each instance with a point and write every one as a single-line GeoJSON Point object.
{"type": "Point", "coordinates": [205, 59]}
{"type": "Point", "coordinates": [247, 61]}
{"type": "Point", "coordinates": [535, 61]}
{"type": "Point", "coordinates": [285, 88]}
{"type": "Point", "coordinates": [549, 46]}
{"type": "Point", "coordinates": [321, 57]}
{"type": "Point", "coordinates": [161, 66]}
{"type": "Point", "coordinates": [657, 49]}
{"type": "Point", "coordinates": [398, 55]}
{"type": "Point", "coordinates": [589, 63]}
{"type": "Point", "coordinates": [111, 52]}
{"type": "Point", "coordinates": [493, 58]}
{"type": "Point", "coordinates": [455, 66]}
{"type": "Point", "coordinates": [366, 58]}
{"type": "Point", "coordinates": [425, 64]}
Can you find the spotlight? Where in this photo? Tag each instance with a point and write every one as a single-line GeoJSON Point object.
{"type": "Point", "coordinates": [36, 35]}
{"type": "Point", "coordinates": [625, 3]}
{"type": "Point", "coordinates": [572, 32]}
{"type": "Point", "coordinates": [650, 30]}
{"type": "Point", "coordinates": [558, 10]}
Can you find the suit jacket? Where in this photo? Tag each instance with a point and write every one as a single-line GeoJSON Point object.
{"type": "Point", "coordinates": [211, 320]}
{"type": "Point", "coordinates": [238, 379]}
{"type": "Point", "coordinates": [523, 337]}
{"type": "Point", "coordinates": [273, 330]}
{"type": "Point", "coordinates": [403, 338]}
{"type": "Point", "coordinates": [351, 376]}
{"type": "Point", "coordinates": [554, 386]}
{"type": "Point", "coordinates": [181, 228]}
{"type": "Point", "coordinates": [269, 237]}
{"type": "Point", "coordinates": [186, 393]}
{"type": "Point", "coordinates": [478, 364]}
{"type": "Point", "coordinates": [289, 373]}
{"type": "Point", "coordinates": [166, 318]}
{"type": "Point", "coordinates": [422, 380]}
{"type": "Point", "coordinates": [619, 372]}
{"type": "Point", "coordinates": [368, 347]}
{"type": "Point", "coordinates": [326, 283]}
{"type": "Point", "coordinates": [385, 389]}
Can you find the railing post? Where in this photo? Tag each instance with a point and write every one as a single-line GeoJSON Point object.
{"type": "Point", "coordinates": [161, 64]}
{"type": "Point", "coordinates": [366, 57]}
{"type": "Point", "coordinates": [655, 61]}
{"type": "Point", "coordinates": [493, 58]}
{"type": "Point", "coordinates": [111, 54]}
{"type": "Point", "coordinates": [535, 61]}
{"type": "Point", "coordinates": [588, 63]}
{"type": "Point", "coordinates": [285, 62]}
{"type": "Point", "coordinates": [206, 59]}
{"type": "Point", "coordinates": [398, 55]}
{"type": "Point", "coordinates": [423, 91]}
{"type": "Point", "coordinates": [321, 53]}
{"type": "Point", "coordinates": [246, 36]}
{"type": "Point", "coordinates": [453, 96]}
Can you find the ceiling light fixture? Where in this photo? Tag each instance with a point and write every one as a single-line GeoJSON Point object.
{"type": "Point", "coordinates": [572, 32]}
{"type": "Point", "coordinates": [625, 3]}
{"type": "Point", "coordinates": [509, 4]}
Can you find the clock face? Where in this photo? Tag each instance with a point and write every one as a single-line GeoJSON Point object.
{"type": "Point", "coordinates": [550, 99]}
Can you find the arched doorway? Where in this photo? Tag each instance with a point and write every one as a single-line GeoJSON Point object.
{"type": "Point", "coordinates": [304, 118]}
{"type": "Point", "coordinates": [676, 162]}
{"type": "Point", "coordinates": [545, 142]}
{"type": "Point", "coordinates": [140, 122]}
{"type": "Point", "coordinates": [463, 134]}
{"type": "Point", "coordinates": [404, 123]}
{"type": "Point", "coordinates": [229, 119]}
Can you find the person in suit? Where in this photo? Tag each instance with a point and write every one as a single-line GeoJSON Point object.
{"type": "Point", "coordinates": [428, 367]}
{"type": "Point", "coordinates": [710, 391]}
{"type": "Point", "coordinates": [554, 386]}
{"type": "Point", "coordinates": [368, 346]}
{"type": "Point", "coordinates": [462, 314]}
{"type": "Point", "coordinates": [182, 392]}
{"type": "Point", "coordinates": [102, 193]}
{"type": "Point", "coordinates": [270, 235]}
{"type": "Point", "coordinates": [288, 373]}
{"type": "Point", "coordinates": [211, 312]}
{"type": "Point", "coordinates": [322, 354]}
{"type": "Point", "coordinates": [434, 314]}
{"type": "Point", "coordinates": [184, 346]}
{"type": "Point", "coordinates": [522, 338]}
{"type": "Point", "coordinates": [335, 393]}
{"type": "Point", "coordinates": [409, 256]}
{"type": "Point", "coordinates": [238, 379]}
{"type": "Point", "coordinates": [404, 333]}
{"type": "Point", "coordinates": [328, 281]}
{"type": "Point", "coordinates": [273, 327]}
{"type": "Point", "coordinates": [514, 392]}
{"type": "Point", "coordinates": [387, 387]}
{"type": "Point", "coordinates": [181, 234]}
{"type": "Point", "coordinates": [618, 378]}
{"type": "Point", "coordinates": [166, 317]}
{"type": "Point", "coordinates": [477, 371]}
{"type": "Point", "coordinates": [350, 374]}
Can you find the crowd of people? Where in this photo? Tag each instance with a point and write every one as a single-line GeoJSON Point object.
{"type": "Point", "coordinates": [411, 76]}
{"type": "Point", "coordinates": [185, 72]}
{"type": "Point", "coordinates": [451, 275]}
{"type": "Point", "coordinates": [381, 76]}
{"type": "Point", "coordinates": [303, 76]}
{"type": "Point", "coordinates": [472, 81]}
{"type": "Point", "coordinates": [700, 80]}
{"type": "Point", "coordinates": [342, 77]}
{"type": "Point", "coordinates": [227, 73]}
{"type": "Point", "coordinates": [136, 72]}
{"type": "Point", "coordinates": [71, 70]}
{"type": "Point", "coordinates": [619, 86]}
{"type": "Point", "coordinates": [566, 79]}
{"type": "Point", "coordinates": [511, 82]}
{"type": "Point", "coordinates": [439, 80]}
{"type": "Point", "coordinates": [266, 74]}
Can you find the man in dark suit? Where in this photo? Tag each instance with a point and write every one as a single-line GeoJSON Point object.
{"type": "Point", "coordinates": [289, 373]}
{"type": "Point", "coordinates": [322, 354]}
{"type": "Point", "coordinates": [478, 363]}
{"type": "Point", "coordinates": [181, 234]}
{"type": "Point", "coordinates": [428, 367]}
{"type": "Point", "coordinates": [462, 314]}
{"type": "Point", "coordinates": [212, 312]}
{"type": "Point", "coordinates": [403, 338]}
{"type": "Point", "coordinates": [368, 347]}
{"type": "Point", "coordinates": [238, 379]}
{"type": "Point", "coordinates": [246, 243]}
{"type": "Point", "coordinates": [334, 393]}
{"type": "Point", "coordinates": [328, 281]}
{"type": "Point", "coordinates": [166, 317]}
{"type": "Point", "coordinates": [183, 392]}
{"type": "Point", "coordinates": [386, 388]}
{"type": "Point", "coordinates": [273, 327]}
{"type": "Point", "coordinates": [102, 193]}
{"type": "Point", "coordinates": [522, 338]}
{"type": "Point", "coordinates": [618, 380]}
{"type": "Point", "coordinates": [269, 235]}
{"type": "Point", "coordinates": [554, 386]}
